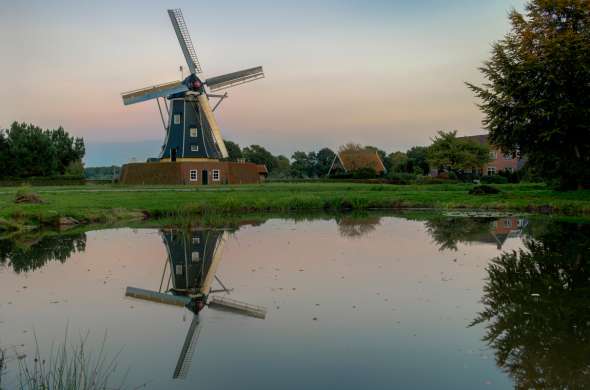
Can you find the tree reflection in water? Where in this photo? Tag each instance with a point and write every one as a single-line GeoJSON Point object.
{"type": "Point", "coordinates": [357, 225]}
{"type": "Point", "coordinates": [29, 255]}
{"type": "Point", "coordinates": [537, 308]}
{"type": "Point", "coordinates": [447, 232]}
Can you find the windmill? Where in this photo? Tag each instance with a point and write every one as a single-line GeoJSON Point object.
{"type": "Point", "coordinates": [191, 129]}
{"type": "Point", "coordinates": [192, 261]}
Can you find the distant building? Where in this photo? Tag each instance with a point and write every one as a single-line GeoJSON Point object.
{"type": "Point", "coordinates": [352, 160]}
{"type": "Point", "coordinates": [499, 161]}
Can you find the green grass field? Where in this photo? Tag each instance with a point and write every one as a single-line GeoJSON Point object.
{"type": "Point", "coordinates": [110, 203]}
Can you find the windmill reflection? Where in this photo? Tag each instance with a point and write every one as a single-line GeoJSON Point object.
{"type": "Point", "coordinates": [187, 280]}
{"type": "Point", "coordinates": [536, 310]}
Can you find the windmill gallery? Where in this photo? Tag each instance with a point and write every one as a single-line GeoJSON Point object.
{"type": "Point", "coordinates": [193, 151]}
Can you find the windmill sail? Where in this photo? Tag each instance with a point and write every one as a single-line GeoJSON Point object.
{"type": "Point", "coordinates": [236, 78]}
{"type": "Point", "coordinates": [188, 349]}
{"type": "Point", "coordinates": [185, 41]}
{"type": "Point", "coordinates": [153, 92]}
{"type": "Point", "coordinates": [215, 131]}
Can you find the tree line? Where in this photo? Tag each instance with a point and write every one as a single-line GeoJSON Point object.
{"type": "Point", "coordinates": [447, 153]}
{"type": "Point", "coordinates": [27, 150]}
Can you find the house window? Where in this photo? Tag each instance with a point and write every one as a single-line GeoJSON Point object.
{"type": "Point", "coordinates": [491, 171]}
{"type": "Point", "coordinates": [507, 223]}
{"type": "Point", "coordinates": [193, 132]}
{"type": "Point", "coordinates": [176, 119]}
{"type": "Point", "coordinates": [193, 175]}
{"type": "Point", "coordinates": [215, 174]}
{"type": "Point", "coordinates": [196, 240]}
{"type": "Point", "coordinates": [195, 257]}
{"type": "Point", "coordinates": [510, 169]}
{"type": "Point", "coordinates": [178, 269]}
{"type": "Point", "coordinates": [194, 148]}
{"type": "Point", "coordinates": [493, 155]}
{"type": "Point", "coordinates": [507, 156]}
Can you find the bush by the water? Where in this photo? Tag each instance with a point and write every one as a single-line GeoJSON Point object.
{"type": "Point", "coordinates": [25, 194]}
{"type": "Point", "coordinates": [484, 190]}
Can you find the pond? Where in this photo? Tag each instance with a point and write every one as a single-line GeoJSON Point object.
{"type": "Point", "coordinates": [354, 301]}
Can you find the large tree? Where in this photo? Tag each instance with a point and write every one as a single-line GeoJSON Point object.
{"type": "Point", "coordinates": [233, 150]}
{"type": "Point", "coordinates": [536, 99]}
{"type": "Point", "coordinates": [6, 160]}
{"type": "Point", "coordinates": [418, 160]}
{"type": "Point", "coordinates": [69, 150]}
{"type": "Point", "coordinates": [456, 155]}
{"type": "Point", "coordinates": [27, 150]}
{"type": "Point", "coordinates": [397, 162]}
{"type": "Point", "coordinates": [324, 160]}
{"type": "Point", "coordinates": [303, 164]}
{"type": "Point", "coordinates": [259, 155]}
{"type": "Point", "coordinates": [32, 151]}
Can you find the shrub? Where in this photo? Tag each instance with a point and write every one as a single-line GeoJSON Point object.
{"type": "Point", "coordinates": [433, 180]}
{"type": "Point", "coordinates": [512, 177]}
{"type": "Point", "coordinates": [494, 179]}
{"type": "Point", "coordinates": [364, 173]}
{"type": "Point", "coordinates": [25, 194]}
{"type": "Point", "coordinates": [401, 177]}
{"type": "Point", "coordinates": [484, 190]}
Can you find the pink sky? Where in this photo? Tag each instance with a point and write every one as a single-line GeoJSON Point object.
{"type": "Point", "coordinates": [385, 73]}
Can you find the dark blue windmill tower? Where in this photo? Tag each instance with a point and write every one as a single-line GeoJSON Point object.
{"type": "Point", "coordinates": [192, 132]}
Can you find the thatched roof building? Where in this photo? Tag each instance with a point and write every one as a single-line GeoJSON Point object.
{"type": "Point", "coordinates": [353, 160]}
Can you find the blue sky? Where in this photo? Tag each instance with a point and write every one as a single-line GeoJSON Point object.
{"type": "Point", "coordinates": [388, 73]}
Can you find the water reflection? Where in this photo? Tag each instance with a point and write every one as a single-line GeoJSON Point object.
{"type": "Point", "coordinates": [31, 253]}
{"type": "Point", "coordinates": [448, 232]}
{"type": "Point", "coordinates": [189, 273]}
{"type": "Point", "coordinates": [536, 308]}
{"type": "Point", "coordinates": [406, 319]}
{"type": "Point", "coordinates": [357, 225]}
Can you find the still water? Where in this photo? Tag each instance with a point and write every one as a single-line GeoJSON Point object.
{"type": "Point", "coordinates": [369, 301]}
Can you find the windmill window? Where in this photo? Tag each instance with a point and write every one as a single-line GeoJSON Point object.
{"type": "Point", "coordinates": [215, 174]}
{"type": "Point", "coordinates": [196, 240]}
{"type": "Point", "coordinates": [193, 175]}
{"type": "Point", "coordinates": [195, 257]}
{"type": "Point", "coordinates": [176, 119]}
{"type": "Point", "coordinates": [194, 148]}
{"type": "Point", "coordinates": [178, 269]}
{"type": "Point", "coordinates": [194, 132]}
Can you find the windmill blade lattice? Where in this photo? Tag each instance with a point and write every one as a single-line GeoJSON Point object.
{"type": "Point", "coordinates": [185, 41]}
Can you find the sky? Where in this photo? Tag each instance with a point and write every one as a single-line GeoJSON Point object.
{"type": "Point", "coordinates": [385, 73]}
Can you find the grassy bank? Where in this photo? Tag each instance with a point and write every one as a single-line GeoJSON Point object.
{"type": "Point", "coordinates": [106, 203]}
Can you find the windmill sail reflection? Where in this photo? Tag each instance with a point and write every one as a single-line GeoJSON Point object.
{"type": "Point", "coordinates": [193, 257]}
